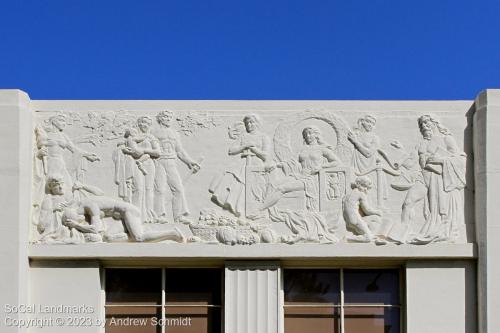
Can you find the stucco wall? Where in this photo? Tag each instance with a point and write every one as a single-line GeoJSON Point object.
{"type": "Point", "coordinates": [441, 297]}
{"type": "Point", "coordinates": [440, 278]}
{"type": "Point", "coordinates": [62, 283]}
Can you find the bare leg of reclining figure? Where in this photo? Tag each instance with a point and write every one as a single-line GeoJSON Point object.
{"type": "Point", "coordinates": [118, 237]}
{"type": "Point", "coordinates": [132, 221]}
{"type": "Point", "coordinates": [93, 209]}
{"type": "Point", "coordinates": [281, 190]}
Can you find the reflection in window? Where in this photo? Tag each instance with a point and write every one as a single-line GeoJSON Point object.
{"type": "Point", "coordinates": [321, 286]}
{"type": "Point", "coordinates": [132, 319]}
{"type": "Point", "coordinates": [312, 300]}
{"type": "Point", "coordinates": [128, 286]}
{"type": "Point", "coordinates": [344, 301]}
{"type": "Point", "coordinates": [133, 300]}
{"type": "Point", "coordinates": [374, 286]}
{"type": "Point", "coordinates": [371, 320]}
{"type": "Point", "coordinates": [195, 294]}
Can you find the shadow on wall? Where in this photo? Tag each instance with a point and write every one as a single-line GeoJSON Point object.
{"type": "Point", "coordinates": [469, 198]}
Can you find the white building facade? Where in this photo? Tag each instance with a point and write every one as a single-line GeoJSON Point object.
{"type": "Point", "coordinates": [250, 216]}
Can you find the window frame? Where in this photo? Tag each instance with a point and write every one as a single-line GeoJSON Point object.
{"type": "Point", "coordinates": [281, 297]}
{"type": "Point", "coordinates": [163, 304]}
{"type": "Point", "coordinates": [341, 306]}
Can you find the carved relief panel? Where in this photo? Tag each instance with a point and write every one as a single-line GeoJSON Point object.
{"type": "Point", "coordinates": [334, 185]}
{"type": "Point", "coordinates": [242, 178]}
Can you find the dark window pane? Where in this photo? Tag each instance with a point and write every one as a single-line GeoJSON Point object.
{"type": "Point", "coordinates": [311, 319]}
{"type": "Point", "coordinates": [193, 286]}
{"type": "Point", "coordinates": [312, 286]}
{"type": "Point", "coordinates": [187, 319]}
{"type": "Point", "coordinates": [139, 286]}
{"type": "Point", "coordinates": [371, 320]}
{"type": "Point", "coordinates": [133, 319]}
{"type": "Point", "coordinates": [379, 286]}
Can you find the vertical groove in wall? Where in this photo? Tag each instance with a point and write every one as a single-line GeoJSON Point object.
{"type": "Point", "coordinates": [252, 302]}
{"type": "Point", "coordinates": [244, 318]}
{"type": "Point", "coordinates": [240, 312]}
{"type": "Point", "coordinates": [262, 318]}
{"type": "Point", "coordinates": [252, 293]}
{"type": "Point", "coordinates": [230, 284]}
{"type": "Point", "coordinates": [246, 301]}
{"type": "Point", "coordinates": [269, 279]}
{"type": "Point", "coordinates": [272, 300]}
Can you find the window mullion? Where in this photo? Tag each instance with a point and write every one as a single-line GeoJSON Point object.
{"type": "Point", "coordinates": [341, 300]}
{"type": "Point", "coordinates": [103, 299]}
{"type": "Point", "coordinates": [163, 298]}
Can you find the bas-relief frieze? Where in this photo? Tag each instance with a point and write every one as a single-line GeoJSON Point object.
{"type": "Point", "coordinates": [243, 179]}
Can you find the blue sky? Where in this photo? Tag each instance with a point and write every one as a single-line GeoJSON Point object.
{"type": "Point", "coordinates": [256, 49]}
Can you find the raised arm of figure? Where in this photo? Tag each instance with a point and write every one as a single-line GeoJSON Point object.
{"type": "Point", "coordinates": [73, 148]}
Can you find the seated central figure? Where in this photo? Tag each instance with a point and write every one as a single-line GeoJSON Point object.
{"type": "Point", "coordinates": [303, 176]}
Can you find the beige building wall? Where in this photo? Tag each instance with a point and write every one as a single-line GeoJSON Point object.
{"type": "Point", "coordinates": [55, 284]}
{"type": "Point", "coordinates": [15, 192]}
{"type": "Point", "coordinates": [441, 297]}
{"type": "Point", "coordinates": [449, 287]}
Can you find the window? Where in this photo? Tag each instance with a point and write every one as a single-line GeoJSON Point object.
{"type": "Point", "coordinates": [195, 294]}
{"type": "Point", "coordinates": [342, 301]}
{"type": "Point", "coordinates": [133, 299]}
{"type": "Point", "coordinates": [189, 300]}
{"type": "Point", "coordinates": [163, 300]}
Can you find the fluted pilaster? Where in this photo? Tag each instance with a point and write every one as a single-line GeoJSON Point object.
{"type": "Point", "coordinates": [252, 302]}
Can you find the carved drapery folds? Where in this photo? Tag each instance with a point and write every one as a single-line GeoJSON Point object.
{"type": "Point", "coordinates": [245, 179]}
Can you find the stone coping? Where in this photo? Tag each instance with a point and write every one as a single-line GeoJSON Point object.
{"type": "Point", "coordinates": [107, 251]}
